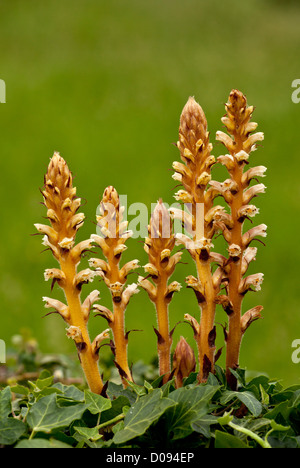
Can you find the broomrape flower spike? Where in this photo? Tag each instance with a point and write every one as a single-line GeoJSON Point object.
{"type": "Point", "coordinates": [112, 243]}
{"type": "Point", "coordinates": [62, 206]}
{"type": "Point", "coordinates": [159, 247]}
{"type": "Point", "coordinates": [194, 173]}
{"type": "Point", "coordinates": [240, 142]}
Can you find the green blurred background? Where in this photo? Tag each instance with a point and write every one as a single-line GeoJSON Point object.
{"type": "Point", "coordinates": [104, 84]}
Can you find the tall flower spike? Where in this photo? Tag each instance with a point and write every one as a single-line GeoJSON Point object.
{"type": "Point", "coordinates": [62, 206]}
{"type": "Point", "coordinates": [195, 175]}
{"type": "Point", "coordinates": [112, 238]}
{"type": "Point", "coordinates": [159, 247]}
{"type": "Point", "coordinates": [240, 142]}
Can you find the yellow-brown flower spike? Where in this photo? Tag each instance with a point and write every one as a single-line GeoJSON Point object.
{"type": "Point", "coordinates": [184, 361]}
{"type": "Point", "coordinates": [239, 141]}
{"type": "Point", "coordinates": [200, 221]}
{"type": "Point", "coordinates": [62, 211]}
{"type": "Point", "coordinates": [112, 239]}
{"type": "Point", "coordinates": [159, 247]}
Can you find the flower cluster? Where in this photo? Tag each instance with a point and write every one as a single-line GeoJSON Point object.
{"type": "Point", "coordinates": [112, 238]}
{"type": "Point", "coordinates": [62, 211]}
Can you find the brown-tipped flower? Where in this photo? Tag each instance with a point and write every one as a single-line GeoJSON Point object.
{"type": "Point", "coordinates": [184, 361]}
{"type": "Point", "coordinates": [62, 211]}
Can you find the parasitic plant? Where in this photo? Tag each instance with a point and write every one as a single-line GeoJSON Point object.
{"type": "Point", "coordinates": [239, 142]}
{"type": "Point", "coordinates": [220, 279]}
{"type": "Point", "coordinates": [112, 239]}
{"type": "Point", "coordinates": [62, 211]}
{"type": "Point", "coordinates": [194, 173]}
{"type": "Point", "coordinates": [159, 246]}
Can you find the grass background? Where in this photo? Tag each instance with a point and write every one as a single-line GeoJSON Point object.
{"type": "Point", "coordinates": [104, 84]}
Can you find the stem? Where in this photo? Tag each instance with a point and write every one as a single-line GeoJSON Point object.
{"type": "Point", "coordinates": [118, 325]}
{"type": "Point", "coordinates": [234, 337]}
{"type": "Point", "coordinates": [111, 421]}
{"type": "Point", "coordinates": [259, 440]}
{"type": "Point", "coordinates": [118, 329]}
{"type": "Point", "coordinates": [206, 348]}
{"type": "Point", "coordinates": [87, 359]}
{"type": "Point", "coordinates": [164, 342]}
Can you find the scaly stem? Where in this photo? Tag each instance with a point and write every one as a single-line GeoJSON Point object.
{"type": "Point", "coordinates": [164, 342]}
{"type": "Point", "coordinates": [121, 345]}
{"type": "Point", "coordinates": [234, 337]}
{"type": "Point", "coordinates": [206, 347]}
{"type": "Point", "coordinates": [87, 358]}
{"type": "Point", "coordinates": [118, 324]}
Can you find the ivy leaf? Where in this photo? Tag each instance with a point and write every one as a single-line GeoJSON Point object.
{"type": "Point", "coordinates": [87, 433]}
{"type": "Point", "coordinates": [225, 440]}
{"type": "Point", "coordinates": [96, 403]}
{"type": "Point", "coordinates": [202, 425]}
{"type": "Point", "coordinates": [249, 400]}
{"type": "Point", "coordinates": [278, 427]}
{"type": "Point", "coordinates": [5, 402]}
{"type": "Point", "coordinates": [46, 415]}
{"type": "Point", "coordinates": [69, 392]}
{"type": "Point", "coordinates": [20, 390]}
{"type": "Point", "coordinates": [117, 407]}
{"type": "Point", "coordinates": [42, 443]}
{"type": "Point", "coordinates": [192, 406]}
{"type": "Point", "coordinates": [11, 430]}
{"type": "Point", "coordinates": [142, 414]}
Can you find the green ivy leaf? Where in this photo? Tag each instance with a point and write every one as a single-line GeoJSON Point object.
{"type": "Point", "coordinates": [87, 433]}
{"type": "Point", "coordinates": [249, 400]}
{"type": "Point", "coordinates": [202, 425]}
{"type": "Point", "coordinates": [42, 443]}
{"type": "Point", "coordinates": [224, 440]}
{"type": "Point", "coordinates": [5, 402]}
{"type": "Point", "coordinates": [142, 414]}
{"type": "Point", "coordinates": [192, 406]}
{"type": "Point", "coordinates": [20, 390]}
{"type": "Point", "coordinates": [69, 392]}
{"type": "Point", "coordinates": [96, 403]}
{"type": "Point", "coordinates": [46, 415]}
{"type": "Point", "coordinates": [11, 430]}
{"type": "Point", "coordinates": [278, 427]}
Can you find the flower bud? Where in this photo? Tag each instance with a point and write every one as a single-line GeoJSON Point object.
{"type": "Point", "coordinates": [183, 361]}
